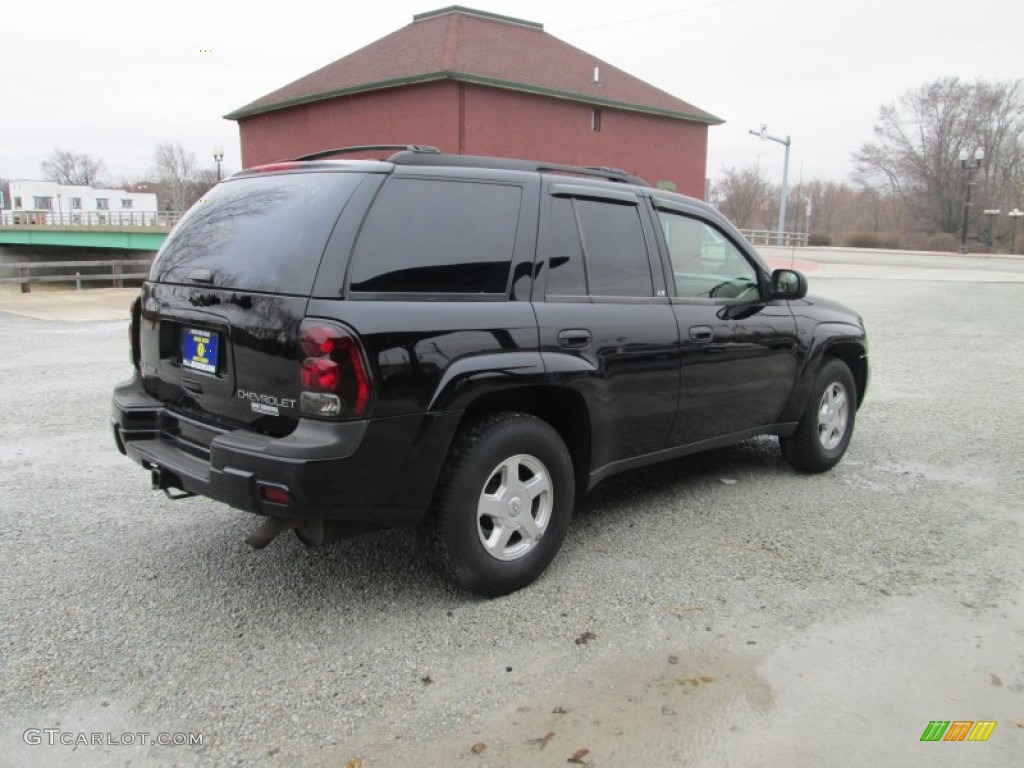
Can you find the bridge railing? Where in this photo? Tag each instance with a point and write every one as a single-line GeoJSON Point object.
{"type": "Point", "coordinates": [771, 237]}
{"type": "Point", "coordinates": [85, 219]}
{"type": "Point", "coordinates": [115, 271]}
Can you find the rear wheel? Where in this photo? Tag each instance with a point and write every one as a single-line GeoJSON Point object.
{"type": "Point", "coordinates": [503, 504]}
{"type": "Point", "coordinates": [825, 429]}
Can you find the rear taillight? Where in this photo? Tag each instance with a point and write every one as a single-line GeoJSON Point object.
{"type": "Point", "coordinates": [334, 375]}
{"type": "Point", "coordinates": [133, 332]}
{"type": "Point", "coordinates": [320, 374]}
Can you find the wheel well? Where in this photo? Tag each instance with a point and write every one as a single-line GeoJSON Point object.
{"type": "Point", "coordinates": [562, 408]}
{"type": "Point", "coordinates": [855, 359]}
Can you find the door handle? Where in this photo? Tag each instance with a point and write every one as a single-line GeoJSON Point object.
{"type": "Point", "coordinates": [701, 334]}
{"type": "Point", "coordinates": [574, 338]}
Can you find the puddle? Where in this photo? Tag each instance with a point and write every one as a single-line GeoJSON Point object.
{"type": "Point", "coordinates": [913, 475]}
{"type": "Point", "coordinates": [652, 712]}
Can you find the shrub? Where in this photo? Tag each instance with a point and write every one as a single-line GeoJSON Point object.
{"type": "Point", "coordinates": [819, 238]}
{"type": "Point", "coordinates": [889, 240]}
{"type": "Point", "coordinates": [872, 240]}
{"type": "Point", "coordinates": [861, 240]}
{"type": "Point", "coordinates": [942, 241]}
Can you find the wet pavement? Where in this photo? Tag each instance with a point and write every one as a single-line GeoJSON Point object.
{"type": "Point", "coordinates": [855, 692]}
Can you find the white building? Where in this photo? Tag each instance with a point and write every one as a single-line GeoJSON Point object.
{"type": "Point", "coordinates": [47, 202]}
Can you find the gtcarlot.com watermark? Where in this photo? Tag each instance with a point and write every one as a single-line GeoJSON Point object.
{"type": "Point", "coordinates": [54, 736]}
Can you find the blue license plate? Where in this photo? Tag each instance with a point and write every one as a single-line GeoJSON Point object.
{"type": "Point", "coordinates": [199, 350]}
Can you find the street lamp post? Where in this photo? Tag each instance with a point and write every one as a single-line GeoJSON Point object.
{"type": "Point", "coordinates": [218, 156]}
{"type": "Point", "coordinates": [786, 142]}
{"type": "Point", "coordinates": [1015, 214]}
{"type": "Point", "coordinates": [991, 213]}
{"type": "Point", "coordinates": [969, 165]}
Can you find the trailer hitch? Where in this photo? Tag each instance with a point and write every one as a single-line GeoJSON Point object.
{"type": "Point", "coordinates": [168, 482]}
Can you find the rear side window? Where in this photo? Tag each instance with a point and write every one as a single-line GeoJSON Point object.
{"type": "Point", "coordinates": [617, 263]}
{"type": "Point", "coordinates": [597, 248]}
{"type": "Point", "coordinates": [566, 276]}
{"type": "Point", "coordinates": [431, 236]}
{"type": "Point", "coordinates": [258, 233]}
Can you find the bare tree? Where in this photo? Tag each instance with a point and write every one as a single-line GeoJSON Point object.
{"type": "Point", "coordinates": [744, 196]}
{"type": "Point", "coordinates": [918, 141]}
{"type": "Point", "coordinates": [78, 169]}
{"type": "Point", "coordinates": [136, 182]}
{"type": "Point", "coordinates": [205, 179]}
{"type": "Point", "coordinates": [181, 180]}
{"type": "Point", "coordinates": [176, 169]}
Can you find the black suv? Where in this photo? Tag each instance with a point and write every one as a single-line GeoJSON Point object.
{"type": "Point", "coordinates": [462, 344]}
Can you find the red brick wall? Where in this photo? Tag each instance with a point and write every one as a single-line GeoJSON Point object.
{"type": "Point", "coordinates": [496, 122]}
{"type": "Point", "coordinates": [420, 114]}
{"type": "Point", "coordinates": [511, 124]}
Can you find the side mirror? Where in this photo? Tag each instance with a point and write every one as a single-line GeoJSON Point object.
{"type": "Point", "coordinates": [788, 284]}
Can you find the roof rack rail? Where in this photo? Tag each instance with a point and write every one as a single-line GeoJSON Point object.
{"type": "Point", "coordinates": [511, 164]}
{"type": "Point", "coordinates": [415, 148]}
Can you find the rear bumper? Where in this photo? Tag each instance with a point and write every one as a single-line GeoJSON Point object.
{"type": "Point", "coordinates": [380, 472]}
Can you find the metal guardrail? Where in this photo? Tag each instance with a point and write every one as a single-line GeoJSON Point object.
{"type": "Point", "coordinates": [771, 237]}
{"type": "Point", "coordinates": [164, 219]}
{"type": "Point", "coordinates": [138, 269]}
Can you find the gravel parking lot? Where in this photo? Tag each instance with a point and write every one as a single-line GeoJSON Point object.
{"type": "Point", "coordinates": [720, 610]}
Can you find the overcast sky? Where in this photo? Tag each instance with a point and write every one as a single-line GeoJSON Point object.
{"type": "Point", "coordinates": [114, 78]}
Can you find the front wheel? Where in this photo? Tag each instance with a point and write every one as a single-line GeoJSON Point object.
{"type": "Point", "coordinates": [503, 504]}
{"type": "Point", "coordinates": [825, 429]}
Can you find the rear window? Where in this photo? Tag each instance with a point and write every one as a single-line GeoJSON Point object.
{"type": "Point", "coordinates": [257, 233]}
{"type": "Point", "coordinates": [432, 236]}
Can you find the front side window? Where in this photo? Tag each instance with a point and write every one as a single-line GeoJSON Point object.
{"type": "Point", "coordinates": [432, 236]}
{"type": "Point", "coordinates": [705, 263]}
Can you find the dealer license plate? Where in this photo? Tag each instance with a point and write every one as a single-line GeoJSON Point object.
{"type": "Point", "coordinates": [199, 350]}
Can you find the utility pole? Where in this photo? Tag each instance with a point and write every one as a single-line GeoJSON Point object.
{"type": "Point", "coordinates": [1015, 214]}
{"type": "Point", "coordinates": [969, 165]}
{"type": "Point", "coordinates": [786, 142]}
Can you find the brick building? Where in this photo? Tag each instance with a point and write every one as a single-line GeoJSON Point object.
{"type": "Point", "coordinates": [476, 83]}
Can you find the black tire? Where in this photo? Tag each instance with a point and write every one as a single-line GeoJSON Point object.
{"type": "Point", "coordinates": [479, 474]}
{"type": "Point", "coordinates": [819, 442]}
